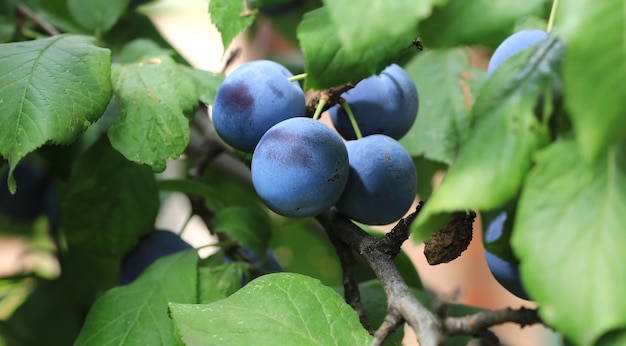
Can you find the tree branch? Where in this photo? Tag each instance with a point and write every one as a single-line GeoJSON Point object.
{"type": "Point", "coordinates": [25, 11]}
{"type": "Point", "coordinates": [475, 324]}
{"type": "Point", "coordinates": [332, 95]}
{"type": "Point", "coordinates": [400, 300]}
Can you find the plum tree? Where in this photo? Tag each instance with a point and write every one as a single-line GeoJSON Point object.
{"type": "Point", "coordinates": [382, 104]}
{"type": "Point", "coordinates": [300, 167]}
{"type": "Point", "coordinates": [382, 182]}
{"type": "Point", "coordinates": [153, 246]}
{"type": "Point", "coordinates": [254, 97]}
{"type": "Point", "coordinates": [514, 44]}
{"type": "Point", "coordinates": [505, 272]}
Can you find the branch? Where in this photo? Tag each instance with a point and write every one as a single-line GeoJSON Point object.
{"type": "Point", "coordinates": [333, 95]}
{"type": "Point", "coordinates": [352, 295]}
{"type": "Point", "coordinates": [477, 323]}
{"type": "Point", "coordinates": [392, 242]}
{"type": "Point", "coordinates": [401, 302]}
{"type": "Point", "coordinates": [25, 11]}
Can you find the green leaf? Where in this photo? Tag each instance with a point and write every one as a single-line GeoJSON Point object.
{"type": "Point", "coordinates": [216, 282]}
{"type": "Point", "coordinates": [137, 314]}
{"type": "Point", "coordinates": [97, 16]}
{"type": "Point", "coordinates": [462, 22]}
{"type": "Point", "coordinates": [301, 246]}
{"type": "Point", "coordinates": [7, 29]}
{"type": "Point", "coordinates": [38, 106]}
{"type": "Point", "coordinates": [230, 18]}
{"type": "Point", "coordinates": [594, 71]}
{"type": "Point", "coordinates": [447, 86]}
{"type": "Point", "coordinates": [426, 171]}
{"type": "Point", "coordinates": [140, 49]}
{"type": "Point", "coordinates": [110, 202]}
{"type": "Point", "coordinates": [206, 82]}
{"type": "Point", "coordinates": [329, 64]}
{"type": "Point", "coordinates": [491, 165]}
{"type": "Point", "coordinates": [249, 226]}
{"type": "Point", "coordinates": [155, 95]}
{"type": "Point", "coordinates": [274, 309]}
{"type": "Point", "coordinates": [570, 220]}
{"type": "Point", "coordinates": [211, 196]}
{"type": "Point", "coordinates": [357, 38]}
{"type": "Point", "coordinates": [49, 306]}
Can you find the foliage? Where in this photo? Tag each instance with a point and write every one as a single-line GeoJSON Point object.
{"type": "Point", "coordinates": [92, 92]}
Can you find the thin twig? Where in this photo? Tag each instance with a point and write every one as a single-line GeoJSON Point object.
{"type": "Point", "coordinates": [476, 323]}
{"type": "Point", "coordinates": [392, 242]}
{"type": "Point", "coordinates": [25, 11]}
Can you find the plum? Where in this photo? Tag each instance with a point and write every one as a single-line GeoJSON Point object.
{"type": "Point", "coordinates": [383, 104]}
{"type": "Point", "coordinates": [505, 272]}
{"type": "Point", "coordinates": [153, 246]}
{"type": "Point", "coordinates": [35, 195]}
{"type": "Point", "coordinates": [300, 167]}
{"type": "Point", "coordinates": [252, 98]}
{"type": "Point", "coordinates": [513, 45]}
{"type": "Point", "coordinates": [382, 182]}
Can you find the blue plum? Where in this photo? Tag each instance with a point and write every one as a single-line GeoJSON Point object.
{"type": "Point", "coordinates": [153, 246]}
{"type": "Point", "coordinates": [513, 45]}
{"type": "Point", "coordinates": [300, 167]}
{"type": "Point", "coordinates": [382, 182]}
{"type": "Point", "coordinates": [505, 272]}
{"type": "Point", "coordinates": [35, 195]}
{"type": "Point", "coordinates": [383, 104]}
{"type": "Point", "coordinates": [251, 99]}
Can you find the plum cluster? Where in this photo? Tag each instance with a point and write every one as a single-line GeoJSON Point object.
{"type": "Point", "coordinates": [301, 166]}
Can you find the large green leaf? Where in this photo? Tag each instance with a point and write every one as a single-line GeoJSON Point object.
{"type": "Point", "coordinates": [155, 95]}
{"type": "Point", "coordinates": [230, 18]}
{"type": "Point", "coordinates": [329, 64]}
{"type": "Point", "coordinates": [462, 22]}
{"type": "Point", "coordinates": [447, 86]}
{"type": "Point", "coordinates": [97, 16]}
{"type": "Point", "coordinates": [137, 314]}
{"type": "Point", "coordinates": [50, 91]}
{"type": "Point", "coordinates": [569, 236]}
{"type": "Point", "coordinates": [274, 309]}
{"type": "Point", "coordinates": [370, 23]}
{"type": "Point", "coordinates": [110, 202]}
{"type": "Point", "coordinates": [491, 165]}
{"type": "Point", "coordinates": [594, 71]}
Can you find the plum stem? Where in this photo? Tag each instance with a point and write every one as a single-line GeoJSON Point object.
{"type": "Point", "coordinates": [320, 108]}
{"type": "Point", "coordinates": [355, 126]}
{"type": "Point", "coordinates": [555, 4]}
{"type": "Point", "coordinates": [300, 76]}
